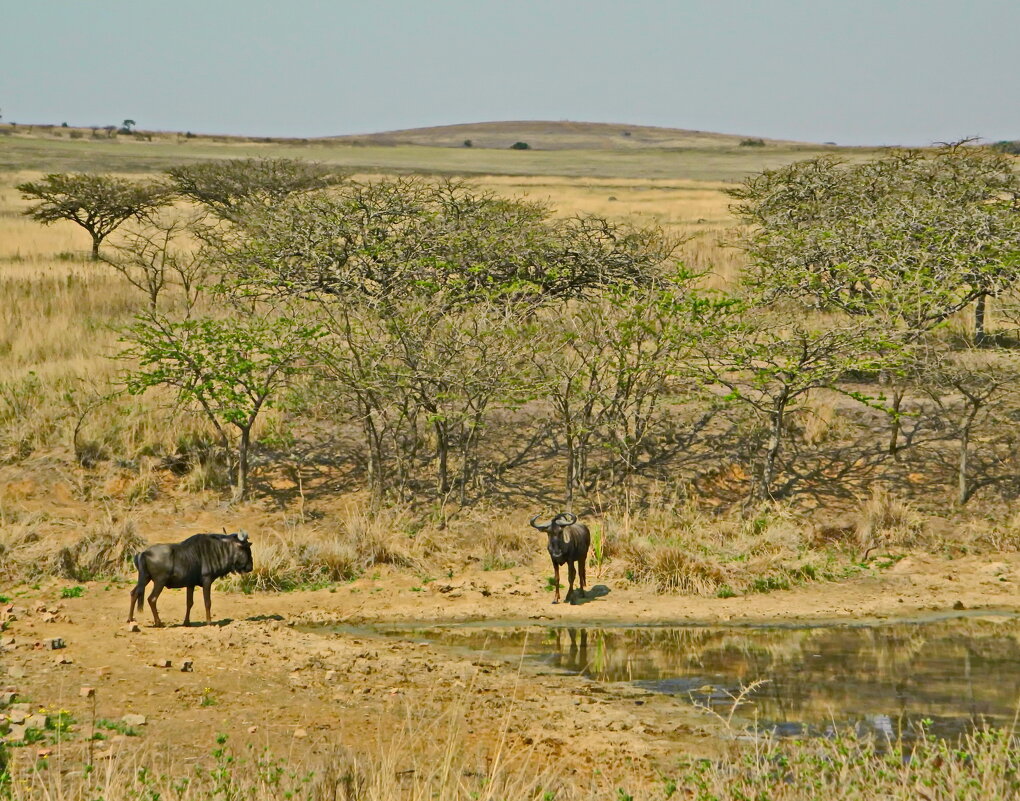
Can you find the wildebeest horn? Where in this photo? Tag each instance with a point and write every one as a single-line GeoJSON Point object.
{"type": "Point", "coordinates": [540, 528]}
{"type": "Point", "coordinates": [242, 535]}
{"type": "Point", "coordinates": [562, 516]}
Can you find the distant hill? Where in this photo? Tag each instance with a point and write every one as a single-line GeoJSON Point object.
{"type": "Point", "coordinates": [545, 135]}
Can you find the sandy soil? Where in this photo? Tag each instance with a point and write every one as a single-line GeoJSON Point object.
{"type": "Point", "coordinates": [261, 677]}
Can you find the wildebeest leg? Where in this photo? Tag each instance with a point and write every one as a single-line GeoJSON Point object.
{"type": "Point", "coordinates": [189, 602]}
{"type": "Point", "coordinates": [580, 574]}
{"type": "Point", "coordinates": [139, 589]}
{"type": "Point", "coordinates": [137, 594]}
{"type": "Point", "coordinates": [571, 573]}
{"type": "Point", "coordinates": [556, 582]}
{"type": "Point", "coordinates": [157, 588]}
{"type": "Point", "coordinates": [207, 597]}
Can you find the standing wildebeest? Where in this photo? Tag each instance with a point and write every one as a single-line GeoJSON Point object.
{"type": "Point", "coordinates": [198, 560]}
{"type": "Point", "coordinates": [568, 543]}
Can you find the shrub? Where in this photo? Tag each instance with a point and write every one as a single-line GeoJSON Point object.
{"type": "Point", "coordinates": [520, 146]}
{"type": "Point", "coordinates": [752, 143]}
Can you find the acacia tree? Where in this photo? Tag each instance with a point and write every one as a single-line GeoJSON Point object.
{"type": "Point", "coordinates": [373, 239]}
{"type": "Point", "coordinates": [156, 254]}
{"type": "Point", "coordinates": [97, 203]}
{"type": "Point", "coordinates": [229, 187]}
{"type": "Point", "coordinates": [974, 393]}
{"type": "Point", "coordinates": [769, 362]}
{"type": "Point", "coordinates": [608, 366]}
{"type": "Point", "coordinates": [913, 237]}
{"type": "Point", "coordinates": [230, 368]}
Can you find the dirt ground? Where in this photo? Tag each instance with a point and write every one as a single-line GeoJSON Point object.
{"type": "Point", "coordinates": [261, 677]}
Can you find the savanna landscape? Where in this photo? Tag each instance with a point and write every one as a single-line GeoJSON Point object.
{"type": "Point", "coordinates": [776, 380]}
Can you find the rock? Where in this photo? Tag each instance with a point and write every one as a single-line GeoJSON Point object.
{"type": "Point", "coordinates": [7, 698]}
{"type": "Point", "coordinates": [164, 663]}
{"type": "Point", "coordinates": [103, 672]}
{"type": "Point", "coordinates": [300, 733]}
{"type": "Point", "coordinates": [133, 720]}
{"type": "Point", "coordinates": [37, 722]}
{"type": "Point", "coordinates": [48, 617]}
{"type": "Point", "coordinates": [87, 692]}
{"type": "Point", "coordinates": [252, 729]}
{"type": "Point", "coordinates": [53, 643]}
{"type": "Point", "coordinates": [17, 733]}
{"type": "Point", "coordinates": [959, 605]}
{"type": "Point", "coordinates": [64, 660]}
{"type": "Point", "coordinates": [17, 716]}
{"type": "Point", "coordinates": [42, 753]}
{"type": "Point", "coordinates": [16, 672]}
{"type": "Point", "coordinates": [187, 666]}
{"type": "Point", "coordinates": [132, 627]}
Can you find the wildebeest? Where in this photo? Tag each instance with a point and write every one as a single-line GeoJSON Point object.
{"type": "Point", "coordinates": [196, 561]}
{"type": "Point", "coordinates": [568, 543]}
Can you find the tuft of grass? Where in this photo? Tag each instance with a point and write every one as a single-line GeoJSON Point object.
{"type": "Point", "coordinates": [72, 592]}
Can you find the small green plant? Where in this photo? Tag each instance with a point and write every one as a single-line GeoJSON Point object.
{"type": "Point", "coordinates": [550, 584]}
{"type": "Point", "coordinates": [118, 726]}
{"type": "Point", "coordinates": [208, 697]}
{"type": "Point", "coordinates": [598, 548]}
{"type": "Point", "coordinates": [725, 591]}
{"type": "Point", "coordinates": [72, 592]}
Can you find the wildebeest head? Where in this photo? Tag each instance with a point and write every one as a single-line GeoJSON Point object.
{"type": "Point", "coordinates": [559, 539]}
{"type": "Point", "coordinates": [240, 553]}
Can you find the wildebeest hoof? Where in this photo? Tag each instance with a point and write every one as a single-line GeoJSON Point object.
{"type": "Point", "coordinates": [555, 602]}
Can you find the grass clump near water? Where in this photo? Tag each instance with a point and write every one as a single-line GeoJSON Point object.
{"type": "Point", "coordinates": [981, 766]}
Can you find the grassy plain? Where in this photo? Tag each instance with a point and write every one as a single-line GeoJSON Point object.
{"type": "Point", "coordinates": [462, 728]}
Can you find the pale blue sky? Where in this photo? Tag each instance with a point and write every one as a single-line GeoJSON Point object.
{"type": "Point", "coordinates": [850, 71]}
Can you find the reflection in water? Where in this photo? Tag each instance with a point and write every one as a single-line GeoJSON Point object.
{"type": "Point", "coordinates": [882, 679]}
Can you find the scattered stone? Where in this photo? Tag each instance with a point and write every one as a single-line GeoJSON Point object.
{"type": "Point", "coordinates": [300, 733]}
{"type": "Point", "coordinates": [37, 722]}
{"type": "Point", "coordinates": [133, 720]}
{"type": "Point", "coordinates": [959, 605]}
{"type": "Point", "coordinates": [330, 676]}
{"type": "Point", "coordinates": [187, 666]}
{"type": "Point", "coordinates": [64, 660]}
{"type": "Point", "coordinates": [48, 617]}
{"type": "Point", "coordinates": [54, 643]}
{"type": "Point", "coordinates": [103, 672]}
{"type": "Point", "coordinates": [252, 729]}
{"type": "Point", "coordinates": [164, 663]}
{"type": "Point", "coordinates": [132, 627]}
{"type": "Point", "coordinates": [43, 753]}
{"type": "Point", "coordinates": [7, 698]}
{"type": "Point", "coordinates": [17, 716]}
{"type": "Point", "coordinates": [17, 733]}
{"type": "Point", "coordinates": [22, 707]}
{"type": "Point", "coordinates": [87, 692]}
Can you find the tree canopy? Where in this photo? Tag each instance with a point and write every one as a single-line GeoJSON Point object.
{"type": "Point", "coordinates": [97, 203]}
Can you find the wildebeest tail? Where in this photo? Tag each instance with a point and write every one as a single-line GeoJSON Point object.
{"type": "Point", "coordinates": [143, 578]}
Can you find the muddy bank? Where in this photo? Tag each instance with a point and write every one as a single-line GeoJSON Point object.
{"type": "Point", "coordinates": [261, 679]}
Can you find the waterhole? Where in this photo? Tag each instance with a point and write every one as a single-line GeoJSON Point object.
{"type": "Point", "coordinates": [946, 676]}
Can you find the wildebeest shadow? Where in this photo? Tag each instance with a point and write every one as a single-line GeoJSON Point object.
{"type": "Point", "coordinates": [198, 624]}
{"type": "Point", "coordinates": [591, 594]}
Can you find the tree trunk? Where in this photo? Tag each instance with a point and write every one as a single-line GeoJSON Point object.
{"type": "Point", "coordinates": [569, 494]}
{"type": "Point", "coordinates": [772, 453]}
{"type": "Point", "coordinates": [894, 433]}
{"type": "Point", "coordinates": [242, 464]}
{"type": "Point", "coordinates": [96, 239]}
{"type": "Point", "coordinates": [963, 480]}
{"type": "Point", "coordinates": [442, 456]}
{"type": "Point", "coordinates": [980, 305]}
